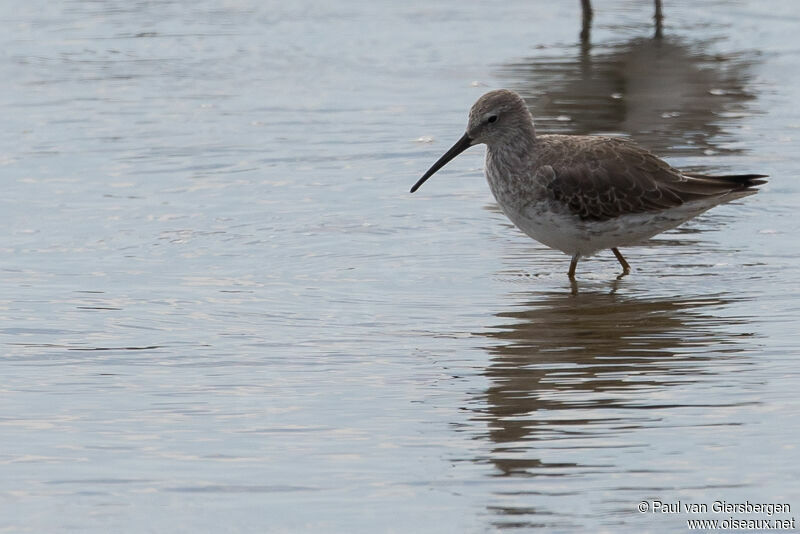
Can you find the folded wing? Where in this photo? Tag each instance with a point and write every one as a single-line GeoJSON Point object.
{"type": "Point", "coordinates": [600, 178]}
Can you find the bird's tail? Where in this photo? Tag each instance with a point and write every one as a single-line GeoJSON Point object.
{"type": "Point", "coordinates": [734, 181]}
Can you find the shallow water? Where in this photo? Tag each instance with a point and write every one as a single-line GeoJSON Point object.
{"type": "Point", "coordinates": [221, 310]}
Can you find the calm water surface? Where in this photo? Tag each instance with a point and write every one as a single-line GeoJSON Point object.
{"type": "Point", "coordinates": [221, 310]}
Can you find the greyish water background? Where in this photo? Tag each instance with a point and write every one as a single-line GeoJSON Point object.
{"type": "Point", "coordinates": [221, 310]}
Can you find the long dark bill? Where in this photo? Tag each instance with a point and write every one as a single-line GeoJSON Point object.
{"type": "Point", "coordinates": [461, 145]}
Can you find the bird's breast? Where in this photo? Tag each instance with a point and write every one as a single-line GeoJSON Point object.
{"type": "Point", "coordinates": [513, 186]}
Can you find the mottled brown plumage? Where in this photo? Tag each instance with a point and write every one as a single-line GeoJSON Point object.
{"type": "Point", "coordinates": [599, 178]}
{"type": "Point", "coordinates": [581, 194]}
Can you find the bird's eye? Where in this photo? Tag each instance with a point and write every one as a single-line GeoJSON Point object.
{"type": "Point", "coordinates": [492, 118]}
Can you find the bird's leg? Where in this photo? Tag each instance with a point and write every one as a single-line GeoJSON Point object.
{"type": "Point", "coordinates": [572, 265]}
{"type": "Point", "coordinates": [625, 267]}
{"type": "Point", "coordinates": [658, 17]}
{"type": "Point", "coordinates": [586, 6]}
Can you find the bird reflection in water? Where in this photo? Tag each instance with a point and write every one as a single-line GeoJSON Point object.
{"type": "Point", "coordinates": [572, 373]}
{"type": "Point", "coordinates": [668, 95]}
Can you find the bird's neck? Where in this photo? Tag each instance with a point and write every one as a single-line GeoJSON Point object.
{"type": "Point", "coordinates": [508, 166]}
{"type": "Point", "coordinates": [514, 152]}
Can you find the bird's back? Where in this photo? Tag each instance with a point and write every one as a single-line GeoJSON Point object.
{"type": "Point", "coordinates": [599, 178]}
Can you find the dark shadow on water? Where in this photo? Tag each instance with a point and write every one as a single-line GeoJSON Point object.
{"type": "Point", "coordinates": [667, 94]}
{"type": "Point", "coordinates": [585, 371]}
